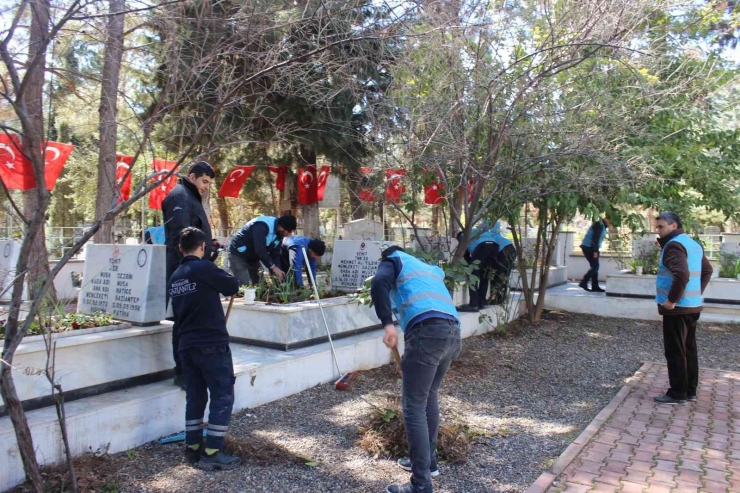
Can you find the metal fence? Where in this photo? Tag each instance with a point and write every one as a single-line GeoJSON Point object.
{"type": "Point", "coordinates": [622, 246]}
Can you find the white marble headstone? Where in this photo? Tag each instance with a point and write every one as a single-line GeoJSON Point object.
{"type": "Point", "coordinates": [127, 281]}
{"type": "Point", "coordinates": [363, 229]}
{"type": "Point", "coordinates": [354, 261]}
{"type": "Point", "coordinates": [10, 250]}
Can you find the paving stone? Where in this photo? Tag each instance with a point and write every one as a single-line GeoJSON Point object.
{"type": "Point", "coordinates": [686, 476]}
{"type": "Point", "coordinates": [610, 477]}
{"type": "Point", "coordinates": [644, 456]}
{"type": "Point", "coordinates": [628, 487]}
{"type": "Point", "coordinates": [590, 467]}
{"type": "Point", "coordinates": [663, 477]}
{"type": "Point", "coordinates": [717, 465]}
{"type": "Point", "coordinates": [686, 488]}
{"type": "Point", "coordinates": [666, 465]}
{"type": "Point", "coordinates": [716, 476]}
{"type": "Point", "coordinates": [658, 487]}
{"type": "Point", "coordinates": [605, 488]}
{"type": "Point", "coordinates": [691, 465]}
{"type": "Point", "coordinates": [620, 456]}
{"type": "Point", "coordinates": [577, 488]}
{"type": "Point", "coordinates": [637, 477]}
{"type": "Point", "coordinates": [712, 487]}
{"type": "Point", "coordinates": [615, 466]}
{"type": "Point", "coordinates": [581, 477]}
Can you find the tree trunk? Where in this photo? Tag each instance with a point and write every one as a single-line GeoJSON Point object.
{"type": "Point", "coordinates": [108, 111]}
{"type": "Point", "coordinates": [435, 219]}
{"type": "Point", "coordinates": [223, 214]}
{"type": "Point", "coordinates": [310, 212]}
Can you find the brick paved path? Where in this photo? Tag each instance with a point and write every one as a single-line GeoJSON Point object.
{"type": "Point", "coordinates": [648, 447]}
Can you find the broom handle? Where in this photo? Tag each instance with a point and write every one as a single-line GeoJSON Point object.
{"type": "Point", "coordinates": [228, 310]}
{"type": "Point", "coordinates": [321, 309]}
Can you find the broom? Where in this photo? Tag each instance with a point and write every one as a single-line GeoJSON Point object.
{"type": "Point", "coordinates": [344, 378]}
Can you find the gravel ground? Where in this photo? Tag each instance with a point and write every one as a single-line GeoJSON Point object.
{"type": "Point", "coordinates": [532, 390]}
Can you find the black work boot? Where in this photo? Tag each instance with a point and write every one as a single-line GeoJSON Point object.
{"type": "Point", "coordinates": [192, 456]}
{"type": "Point", "coordinates": [584, 285]}
{"type": "Point", "coordinates": [218, 462]}
{"type": "Point", "coordinates": [596, 289]}
{"type": "Point", "coordinates": [179, 380]}
{"type": "Point", "coordinates": [403, 488]}
{"type": "Point", "coordinates": [468, 308]}
{"type": "Point", "coordinates": [668, 399]}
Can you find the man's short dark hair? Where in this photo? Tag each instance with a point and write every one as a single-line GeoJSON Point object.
{"type": "Point", "coordinates": [670, 218]}
{"type": "Point", "coordinates": [388, 251]}
{"type": "Point", "coordinates": [201, 168]}
{"type": "Point", "coordinates": [190, 239]}
{"type": "Point", "coordinates": [318, 247]}
{"type": "Point", "coordinates": [288, 222]}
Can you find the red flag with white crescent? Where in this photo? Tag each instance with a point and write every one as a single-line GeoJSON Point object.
{"type": "Point", "coordinates": [157, 195]}
{"type": "Point", "coordinates": [281, 172]}
{"type": "Point", "coordinates": [307, 185]}
{"type": "Point", "coordinates": [321, 187]}
{"type": "Point", "coordinates": [55, 155]}
{"type": "Point", "coordinates": [394, 186]}
{"type": "Point", "coordinates": [123, 163]}
{"type": "Point", "coordinates": [15, 170]}
{"type": "Point", "coordinates": [234, 181]}
{"type": "Point", "coordinates": [433, 193]}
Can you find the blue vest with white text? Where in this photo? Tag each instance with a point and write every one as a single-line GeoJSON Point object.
{"type": "Point", "coordinates": [588, 240]}
{"type": "Point", "coordinates": [419, 289]}
{"type": "Point", "coordinates": [692, 294]}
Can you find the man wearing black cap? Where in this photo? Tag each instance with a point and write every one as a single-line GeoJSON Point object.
{"type": "Point", "coordinates": [259, 242]}
{"type": "Point", "coordinates": [183, 208]}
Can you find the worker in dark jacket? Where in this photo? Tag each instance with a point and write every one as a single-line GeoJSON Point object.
{"type": "Point", "coordinates": [416, 293]}
{"type": "Point", "coordinates": [502, 265]}
{"type": "Point", "coordinates": [683, 275]}
{"type": "Point", "coordinates": [195, 289]}
{"type": "Point", "coordinates": [483, 249]}
{"type": "Point", "coordinates": [183, 208]}
{"type": "Point", "coordinates": [259, 242]}
{"type": "Point", "coordinates": [591, 246]}
{"type": "Point", "coordinates": [292, 256]}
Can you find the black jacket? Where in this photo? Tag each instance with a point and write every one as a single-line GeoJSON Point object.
{"type": "Point", "coordinates": [254, 237]}
{"type": "Point", "coordinates": [182, 208]}
{"type": "Point", "coordinates": [194, 289]}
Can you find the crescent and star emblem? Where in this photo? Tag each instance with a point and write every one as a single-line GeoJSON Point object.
{"type": "Point", "coordinates": [303, 179]}
{"type": "Point", "coordinates": [10, 163]}
{"type": "Point", "coordinates": [234, 174]}
{"type": "Point", "coordinates": [55, 151]}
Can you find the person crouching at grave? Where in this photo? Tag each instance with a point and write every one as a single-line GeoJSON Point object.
{"type": "Point", "coordinates": [292, 256]}
{"type": "Point", "coordinates": [416, 292]}
{"type": "Point", "coordinates": [259, 242]}
{"type": "Point", "coordinates": [590, 247]}
{"type": "Point", "coordinates": [502, 265]}
{"type": "Point", "coordinates": [195, 289]}
{"type": "Point", "coordinates": [482, 248]}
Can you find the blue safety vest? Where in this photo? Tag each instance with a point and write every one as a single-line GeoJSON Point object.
{"type": "Point", "coordinates": [485, 237]}
{"type": "Point", "coordinates": [271, 239]}
{"type": "Point", "coordinates": [419, 289]}
{"type": "Point", "coordinates": [499, 238]}
{"type": "Point", "coordinates": [157, 235]}
{"type": "Point", "coordinates": [692, 295]}
{"type": "Point", "coordinates": [588, 240]}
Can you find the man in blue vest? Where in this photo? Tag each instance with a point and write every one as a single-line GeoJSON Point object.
{"type": "Point", "coordinates": [590, 246]}
{"type": "Point", "coordinates": [257, 243]}
{"type": "Point", "coordinates": [683, 274]}
{"type": "Point", "coordinates": [292, 256]}
{"type": "Point", "coordinates": [502, 266]}
{"type": "Point", "coordinates": [195, 289]}
{"type": "Point", "coordinates": [416, 293]}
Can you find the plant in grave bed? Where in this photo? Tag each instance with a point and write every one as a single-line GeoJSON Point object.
{"type": "Point", "coordinates": [635, 263]}
{"type": "Point", "coordinates": [650, 259]}
{"type": "Point", "coordinates": [65, 322]}
{"type": "Point", "coordinates": [729, 265]}
{"type": "Point", "coordinates": [273, 291]}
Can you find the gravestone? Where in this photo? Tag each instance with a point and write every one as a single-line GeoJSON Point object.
{"type": "Point", "coordinates": [331, 194]}
{"type": "Point", "coordinates": [354, 261]}
{"type": "Point", "coordinates": [441, 246]}
{"type": "Point", "coordinates": [126, 281]}
{"type": "Point", "coordinates": [9, 252]}
{"type": "Point", "coordinates": [363, 229]}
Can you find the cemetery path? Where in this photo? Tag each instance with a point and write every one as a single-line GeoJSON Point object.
{"type": "Point", "coordinates": [637, 445]}
{"type": "Point", "coordinates": [532, 390]}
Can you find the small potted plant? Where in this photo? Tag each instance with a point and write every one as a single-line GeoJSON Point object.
{"type": "Point", "coordinates": [637, 266]}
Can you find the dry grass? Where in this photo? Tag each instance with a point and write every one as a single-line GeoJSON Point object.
{"type": "Point", "coordinates": [384, 435]}
{"type": "Point", "coordinates": [260, 451]}
{"type": "Point", "coordinates": [94, 474]}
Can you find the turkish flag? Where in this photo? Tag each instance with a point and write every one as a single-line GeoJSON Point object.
{"type": "Point", "coordinates": [123, 163]}
{"type": "Point", "coordinates": [15, 170]}
{"type": "Point", "coordinates": [366, 188]}
{"type": "Point", "coordinates": [281, 172]}
{"type": "Point", "coordinates": [234, 181]}
{"type": "Point", "coordinates": [321, 187]}
{"type": "Point", "coordinates": [157, 195]}
{"type": "Point", "coordinates": [307, 185]}
{"type": "Point", "coordinates": [366, 195]}
{"type": "Point", "coordinates": [394, 186]}
{"type": "Point", "coordinates": [55, 156]}
{"type": "Point", "coordinates": [432, 193]}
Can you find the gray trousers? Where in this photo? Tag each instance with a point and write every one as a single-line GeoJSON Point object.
{"type": "Point", "coordinates": [430, 347]}
{"type": "Point", "coordinates": [245, 271]}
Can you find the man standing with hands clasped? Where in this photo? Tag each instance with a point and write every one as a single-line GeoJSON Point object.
{"type": "Point", "coordinates": [416, 293]}
{"type": "Point", "coordinates": [683, 274]}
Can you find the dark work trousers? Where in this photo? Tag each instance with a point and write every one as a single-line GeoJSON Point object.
{"type": "Point", "coordinates": [171, 268]}
{"type": "Point", "coordinates": [208, 370]}
{"type": "Point", "coordinates": [486, 253]}
{"type": "Point", "coordinates": [246, 271]}
{"type": "Point", "coordinates": [430, 347]}
{"type": "Point", "coordinates": [501, 273]}
{"type": "Point", "coordinates": [679, 340]}
{"type": "Point", "coordinates": [593, 273]}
